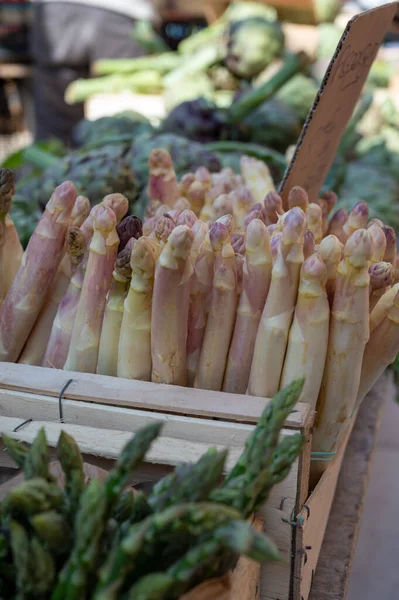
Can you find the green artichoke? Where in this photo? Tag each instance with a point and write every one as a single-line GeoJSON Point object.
{"type": "Point", "coordinates": [128, 123]}
{"type": "Point", "coordinates": [299, 93]}
{"type": "Point", "coordinates": [251, 46]}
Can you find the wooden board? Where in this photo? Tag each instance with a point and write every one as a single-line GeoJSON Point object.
{"type": "Point", "coordinates": [142, 395]}
{"type": "Point", "coordinates": [312, 520]}
{"type": "Point", "coordinates": [333, 569]}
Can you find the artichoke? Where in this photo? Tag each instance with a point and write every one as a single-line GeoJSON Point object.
{"type": "Point", "coordinates": [196, 120]}
{"type": "Point", "coordinates": [128, 123]}
{"type": "Point", "coordinates": [273, 124]}
{"type": "Point", "coordinates": [95, 174]}
{"type": "Point", "coordinates": [299, 93]}
{"type": "Point", "coordinates": [252, 45]}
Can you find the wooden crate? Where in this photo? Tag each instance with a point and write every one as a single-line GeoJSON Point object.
{"type": "Point", "coordinates": [102, 412]}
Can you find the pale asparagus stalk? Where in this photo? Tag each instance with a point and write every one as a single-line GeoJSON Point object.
{"type": "Point", "coordinates": [187, 217]}
{"type": "Point", "coordinates": [196, 195]}
{"type": "Point", "coordinates": [37, 342]}
{"type": "Point", "coordinates": [297, 196]}
{"type": "Point", "coordinates": [134, 353]}
{"type": "Point", "coordinates": [349, 333]}
{"type": "Point", "coordinates": [185, 183]}
{"type": "Point", "coordinates": [130, 227]}
{"type": "Point", "coordinates": [61, 332]}
{"type": "Point", "coordinates": [256, 212]}
{"type": "Point", "coordinates": [238, 242]}
{"type": "Point", "coordinates": [80, 211]}
{"type": "Point", "coordinates": [336, 226]}
{"type": "Point", "coordinates": [204, 176]}
{"type": "Point", "coordinates": [272, 229]}
{"type": "Point", "coordinates": [331, 199]}
{"type": "Point", "coordinates": [162, 183]}
{"type": "Point", "coordinates": [200, 231]}
{"type": "Point", "coordinates": [382, 276]}
{"type": "Point", "coordinates": [308, 244]}
{"type": "Point", "coordinates": [378, 242]}
{"type": "Point", "coordinates": [274, 326]}
{"type": "Point", "coordinates": [381, 350]}
{"type": "Point", "coordinates": [390, 251]}
{"type": "Point", "coordinates": [314, 218]}
{"type": "Point", "coordinates": [308, 338]}
{"type": "Point", "coordinates": [182, 204]}
{"type": "Point", "coordinates": [163, 228]}
{"type": "Point", "coordinates": [273, 207]}
{"type": "Point", "coordinates": [239, 260]}
{"type": "Point", "coordinates": [257, 177]}
{"type": "Point", "coordinates": [375, 222]}
{"type": "Point", "coordinates": [274, 245]}
{"type": "Point", "coordinates": [11, 251]}
{"type": "Point", "coordinates": [357, 219]}
{"type": "Point", "coordinates": [255, 286]}
{"type": "Point", "coordinates": [39, 265]}
{"type": "Point", "coordinates": [242, 202]}
{"type": "Point", "coordinates": [382, 307]}
{"type": "Point", "coordinates": [323, 204]}
{"type": "Point", "coordinates": [199, 303]}
{"type": "Point", "coordinates": [229, 222]}
{"type": "Point", "coordinates": [85, 339]}
{"type": "Point", "coordinates": [118, 203]}
{"type": "Point", "coordinates": [223, 205]}
{"type": "Point", "coordinates": [221, 315]}
{"type": "Point", "coordinates": [170, 309]}
{"type": "Point", "coordinates": [107, 363]}
{"type": "Point", "coordinates": [330, 251]}
{"type": "Point", "coordinates": [14, 252]}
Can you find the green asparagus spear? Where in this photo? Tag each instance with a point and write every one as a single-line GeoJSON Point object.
{"type": "Point", "coordinates": [16, 450]}
{"type": "Point", "coordinates": [206, 559]}
{"type": "Point", "coordinates": [243, 486]}
{"type": "Point", "coordinates": [131, 456]}
{"type": "Point", "coordinates": [72, 465]}
{"type": "Point", "coordinates": [286, 452]}
{"type": "Point", "coordinates": [189, 482]}
{"type": "Point", "coordinates": [53, 529]}
{"type": "Point", "coordinates": [88, 529]}
{"type": "Point", "coordinates": [20, 554]}
{"type": "Point", "coordinates": [33, 496]}
{"type": "Point", "coordinates": [124, 507]}
{"type": "Point", "coordinates": [38, 458]}
{"type": "Point", "coordinates": [158, 540]}
{"type": "Point", "coordinates": [141, 509]}
{"type": "Point", "coordinates": [35, 569]}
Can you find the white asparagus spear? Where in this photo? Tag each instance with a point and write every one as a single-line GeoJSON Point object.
{"type": "Point", "coordinates": [308, 244]}
{"type": "Point", "coordinates": [134, 354]}
{"type": "Point", "coordinates": [390, 251]}
{"type": "Point", "coordinates": [28, 292]}
{"type": "Point", "coordinates": [111, 327]}
{"type": "Point", "coordinates": [273, 207]}
{"type": "Point", "coordinates": [315, 221]}
{"type": "Point", "coordinates": [382, 276]}
{"type": "Point", "coordinates": [85, 340]}
{"type": "Point", "coordinates": [381, 350]}
{"type": "Point", "coordinates": [382, 307]}
{"type": "Point", "coordinates": [275, 323]}
{"type": "Point", "coordinates": [349, 333]}
{"type": "Point", "coordinates": [257, 177]}
{"type": "Point", "coordinates": [170, 309]}
{"type": "Point", "coordinates": [297, 196]}
{"type": "Point", "coordinates": [357, 219]}
{"type": "Point", "coordinates": [308, 338]}
{"type": "Point", "coordinates": [199, 303]}
{"type": "Point", "coordinates": [242, 202]}
{"type": "Point", "coordinates": [222, 313]}
{"type": "Point", "coordinates": [337, 223]}
{"type": "Point", "coordinates": [330, 251]}
{"type": "Point", "coordinates": [256, 283]}
{"type": "Point", "coordinates": [162, 230]}
{"type": "Point", "coordinates": [162, 183]}
{"type": "Point", "coordinates": [378, 242]}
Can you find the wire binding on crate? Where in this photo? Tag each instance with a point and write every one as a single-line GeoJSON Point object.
{"type": "Point", "coordinates": [62, 392]}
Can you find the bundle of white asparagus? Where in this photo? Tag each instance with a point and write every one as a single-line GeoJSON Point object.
{"type": "Point", "coordinates": [223, 288]}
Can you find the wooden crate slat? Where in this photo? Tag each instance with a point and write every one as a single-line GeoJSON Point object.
{"type": "Point", "coordinates": [144, 395]}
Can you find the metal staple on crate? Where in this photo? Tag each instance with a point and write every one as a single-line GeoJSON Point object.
{"type": "Point", "coordinates": [18, 427]}
{"type": "Point", "coordinates": [62, 392]}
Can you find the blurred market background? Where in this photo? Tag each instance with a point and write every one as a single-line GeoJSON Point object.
{"type": "Point", "coordinates": [88, 89]}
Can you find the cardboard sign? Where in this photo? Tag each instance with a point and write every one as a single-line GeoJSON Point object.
{"type": "Point", "coordinates": [336, 100]}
